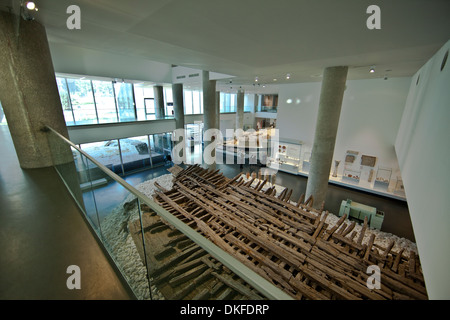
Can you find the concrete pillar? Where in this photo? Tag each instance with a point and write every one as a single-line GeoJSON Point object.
{"type": "Point", "coordinates": [29, 93]}
{"type": "Point", "coordinates": [209, 111]}
{"type": "Point", "coordinates": [178, 107]}
{"type": "Point", "coordinates": [331, 95]}
{"type": "Point", "coordinates": [255, 109]}
{"type": "Point", "coordinates": [217, 110]}
{"type": "Point", "coordinates": [240, 110]}
{"type": "Point", "coordinates": [159, 102]}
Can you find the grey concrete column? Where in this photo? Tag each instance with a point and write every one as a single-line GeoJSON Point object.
{"type": "Point", "coordinates": [159, 102]}
{"type": "Point", "coordinates": [29, 93]}
{"type": "Point", "coordinates": [240, 110]}
{"type": "Point", "coordinates": [217, 110]}
{"type": "Point", "coordinates": [209, 109]}
{"type": "Point", "coordinates": [178, 107]}
{"type": "Point", "coordinates": [331, 95]}
{"type": "Point", "coordinates": [255, 109]}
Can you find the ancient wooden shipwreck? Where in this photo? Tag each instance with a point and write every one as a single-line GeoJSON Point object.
{"type": "Point", "coordinates": [288, 244]}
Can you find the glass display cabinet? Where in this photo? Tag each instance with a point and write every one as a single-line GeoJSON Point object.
{"type": "Point", "coordinates": [286, 157]}
{"type": "Point", "coordinates": [306, 162]}
{"type": "Point", "coordinates": [383, 178]}
{"type": "Point", "coordinates": [351, 176]}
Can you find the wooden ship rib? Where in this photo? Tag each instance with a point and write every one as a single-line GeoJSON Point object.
{"type": "Point", "coordinates": [289, 244]}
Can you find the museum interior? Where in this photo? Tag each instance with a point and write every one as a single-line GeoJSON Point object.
{"type": "Point", "coordinates": [326, 123]}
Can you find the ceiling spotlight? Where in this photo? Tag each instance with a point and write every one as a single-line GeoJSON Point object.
{"type": "Point", "coordinates": [274, 79]}
{"type": "Point", "coordinates": [256, 79]}
{"type": "Point", "coordinates": [372, 69]}
{"type": "Point", "coordinates": [288, 76]}
{"type": "Point", "coordinates": [31, 5]}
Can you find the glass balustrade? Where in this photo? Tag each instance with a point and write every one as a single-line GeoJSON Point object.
{"type": "Point", "coordinates": [159, 256]}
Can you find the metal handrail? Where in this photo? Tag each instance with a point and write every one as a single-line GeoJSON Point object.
{"type": "Point", "coordinates": [266, 288]}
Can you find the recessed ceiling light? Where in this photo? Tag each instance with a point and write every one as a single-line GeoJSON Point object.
{"type": "Point", "coordinates": [256, 79]}
{"type": "Point", "coordinates": [274, 79]}
{"type": "Point", "coordinates": [372, 69]}
{"type": "Point", "coordinates": [288, 76]}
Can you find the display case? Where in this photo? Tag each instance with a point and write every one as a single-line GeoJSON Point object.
{"type": "Point", "coordinates": [286, 157]}
{"type": "Point", "coordinates": [383, 178]}
{"type": "Point", "coordinates": [351, 176]}
{"type": "Point", "coordinates": [306, 162]}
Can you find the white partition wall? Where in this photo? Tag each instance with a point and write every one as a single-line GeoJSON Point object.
{"type": "Point", "coordinates": [423, 149]}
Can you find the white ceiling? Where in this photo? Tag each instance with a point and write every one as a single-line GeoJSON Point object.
{"type": "Point", "coordinates": [264, 38]}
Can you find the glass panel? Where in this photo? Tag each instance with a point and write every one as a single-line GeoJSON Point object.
{"type": "Point", "coordinates": [248, 102]}
{"type": "Point", "coordinates": [104, 99]}
{"type": "Point", "coordinates": [118, 212]}
{"type": "Point", "coordinates": [149, 109]}
{"type": "Point", "coordinates": [196, 102]}
{"type": "Point", "coordinates": [168, 98]}
{"type": "Point", "coordinates": [135, 153]}
{"type": "Point", "coordinates": [188, 102]}
{"type": "Point", "coordinates": [140, 94]}
{"type": "Point", "coordinates": [65, 101]}
{"type": "Point", "coordinates": [82, 101]}
{"type": "Point", "coordinates": [88, 178]}
{"type": "Point", "coordinates": [233, 99]}
{"type": "Point", "coordinates": [105, 152]}
{"type": "Point", "coordinates": [182, 264]}
{"type": "Point", "coordinates": [125, 101]}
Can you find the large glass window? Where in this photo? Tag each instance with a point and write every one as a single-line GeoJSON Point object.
{"type": "Point", "coordinates": [249, 101]}
{"type": "Point", "coordinates": [82, 100]}
{"type": "Point", "coordinates": [65, 101]}
{"type": "Point", "coordinates": [168, 98]}
{"type": "Point", "coordinates": [135, 153]}
{"type": "Point", "coordinates": [106, 152]}
{"type": "Point", "coordinates": [125, 101]}
{"type": "Point", "coordinates": [2, 116]}
{"type": "Point", "coordinates": [141, 94]}
{"type": "Point", "coordinates": [228, 102]}
{"type": "Point", "coordinates": [188, 102]}
{"type": "Point", "coordinates": [196, 98]}
{"type": "Point", "coordinates": [104, 100]}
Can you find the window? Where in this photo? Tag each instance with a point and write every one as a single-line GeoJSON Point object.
{"type": "Point", "coordinates": [228, 102]}
{"type": "Point", "coordinates": [249, 101]}
{"type": "Point", "coordinates": [196, 98]}
{"type": "Point", "coordinates": [106, 152]}
{"type": "Point", "coordinates": [82, 99]}
{"type": "Point", "coordinates": [125, 101]}
{"type": "Point", "coordinates": [188, 102]}
{"type": "Point", "coordinates": [104, 100]}
{"type": "Point", "coordinates": [65, 101]}
{"type": "Point", "coordinates": [168, 99]}
{"type": "Point", "coordinates": [135, 153]}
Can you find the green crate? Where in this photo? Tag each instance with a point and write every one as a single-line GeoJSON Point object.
{"type": "Point", "coordinates": [358, 211]}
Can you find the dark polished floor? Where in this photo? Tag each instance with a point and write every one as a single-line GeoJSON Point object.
{"type": "Point", "coordinates": [42, 232]}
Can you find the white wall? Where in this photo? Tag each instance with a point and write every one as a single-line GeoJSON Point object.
{"type": "Point", "coordinates": [370, 117]}
{"type": "Point", "coordinates": [423, 148]}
